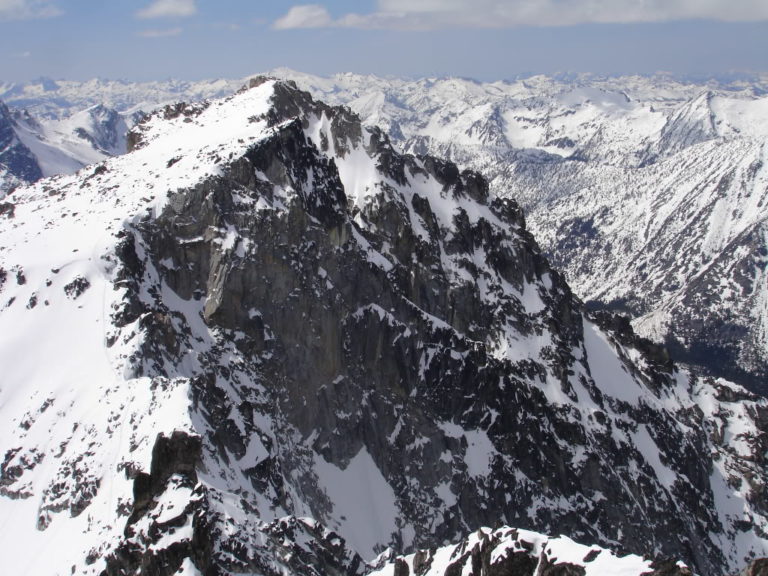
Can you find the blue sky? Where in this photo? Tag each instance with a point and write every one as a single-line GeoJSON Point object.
{"type": "Point", "coordinates": [483, 39]}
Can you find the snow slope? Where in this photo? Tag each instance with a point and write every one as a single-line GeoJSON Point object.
{"type": "Point", "coordinates": [64, 146]}
{"type": "Point", "coordinates": [68, 125]}
{"type": "Point", "coordinates": [78, 414]}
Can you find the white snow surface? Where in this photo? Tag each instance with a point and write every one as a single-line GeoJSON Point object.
{"type": "Point", "coordinates": [64, 146]}
{"type": "Point", "coordinates": [365, 506]}
{"type": "Point", "coordinates": [608, 371]}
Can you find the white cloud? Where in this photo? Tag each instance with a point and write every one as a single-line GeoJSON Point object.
{"type": "Point", "coordinates": [27, 9]}
{"type": "Point", "coordinates": [161, 33]}
{"type": "Point", "coordinates": [305, 16]}
{"type": "Point", "coordinates": [169, 9]}
{"type": "Point", "coordinates": [431, 14]}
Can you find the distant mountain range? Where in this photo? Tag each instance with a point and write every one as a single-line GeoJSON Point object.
{"type": "Point", "coordinates": [62, 126]}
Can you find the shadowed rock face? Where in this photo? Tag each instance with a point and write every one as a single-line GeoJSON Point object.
{"type": "Point", "coordinates": [373, 327]}
{"type": "Point", "coordinates": [649, 196]}
{"type": "Point", "coordinates": [757, 568]}
{"type": "Point", "coordinates": [16, 160]}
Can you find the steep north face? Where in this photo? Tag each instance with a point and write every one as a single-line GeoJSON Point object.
{"type": "Point", "coordinates": [265, 341]}
{"type": "Point", "coordinates": [647, 192]}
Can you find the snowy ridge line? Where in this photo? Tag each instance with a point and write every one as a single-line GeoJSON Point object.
{"type": "Point", "coordinates": [83, 422]}
{"type": "Point", "coordinates": [523, 553]}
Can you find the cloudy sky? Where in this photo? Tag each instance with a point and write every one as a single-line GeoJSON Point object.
{"type": "Point", "coordinates": [483, 39]}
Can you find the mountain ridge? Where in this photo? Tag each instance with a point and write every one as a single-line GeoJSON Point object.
{"type": "Point", "coordinates": [613, 148]}
{"type": "Point", "coordinates": [17, 163]}
{"type": "Point", "coordinates": [597, 167]}
{"type": "Point", "coordinates": [276, 305]}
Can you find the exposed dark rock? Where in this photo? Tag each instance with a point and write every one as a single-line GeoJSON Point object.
{"type": "Point", "coordinates": [75, 288]}
{"type": "Point", "coordinates": [373, 329]}
{"type": "Point", "coordinates": [401, 568]}
{"type": "Point", "coordinates": [179, 454]}
{"type": "Point", "coordinates": [668, 568]}
{"type": "Point", "coordinates": [547, 568]}
{"type": "Point", "coordinates": [173, 458]}
{"type": "Point", "coordinates": [757, 567]}
{"type": "Point", "coordinates": [14, 155]}
{"type": "Point", "coordinates": [591, 555]}
{"type": "Point", "coordinates": [422, 561]}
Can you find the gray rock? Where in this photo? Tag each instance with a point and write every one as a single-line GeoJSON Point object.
{"type": "Point", "coordinates": [349, 330]}
{"type": "Point", "coordinates": [16, 160]}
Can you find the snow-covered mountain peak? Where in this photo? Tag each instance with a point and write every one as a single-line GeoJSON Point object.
{"type": "Point", "coordinates": [103, 127]}
{"type": "Point", "coordinates": [264, 341]}
{"type": "Point", "coordinates": [564, 146]}
{"type": "Point", "coordinates": [657, 175]}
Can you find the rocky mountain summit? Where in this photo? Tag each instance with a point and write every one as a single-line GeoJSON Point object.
{"type": "Point", "coordinates": [264, 341]}
{"type": "Point", "coordinates": [649, 193]}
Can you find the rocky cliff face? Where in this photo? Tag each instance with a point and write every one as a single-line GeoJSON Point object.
{"type": "Point", "coordinates": [17, 164]}
{"type": "Point", "coordinates": [647, 193]}
{"type": "Point", "coordinates": [298, 347]}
